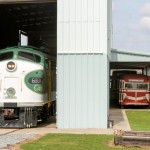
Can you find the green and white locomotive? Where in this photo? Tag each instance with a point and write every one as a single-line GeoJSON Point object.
{"type": "Point", "coordinates": [25, 87]}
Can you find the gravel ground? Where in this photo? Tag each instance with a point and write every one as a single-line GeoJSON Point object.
{"type": "Point", "coordinates": [9, 139]}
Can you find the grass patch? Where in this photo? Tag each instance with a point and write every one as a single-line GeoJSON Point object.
{"type": "Point", "coordinates": [75, 142]}
{"type": "Point", "coordinates": [139, 120]}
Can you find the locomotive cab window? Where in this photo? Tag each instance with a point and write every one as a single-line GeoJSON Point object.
{"type": "Point", "coordinates": [6, 56]}
{"type": "Point", "coordinates": [29, 56]}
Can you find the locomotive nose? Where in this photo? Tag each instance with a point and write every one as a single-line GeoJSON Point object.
{"type": "Point", "coordinates": [11, 66]}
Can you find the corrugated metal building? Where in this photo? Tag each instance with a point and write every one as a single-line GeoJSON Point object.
{"type": "Point", "coordinates": [83, 41]}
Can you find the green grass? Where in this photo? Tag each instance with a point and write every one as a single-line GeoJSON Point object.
{"type": "Point", "coordinates": [75, 142]}
{"type": "Point", "coordinates": [139, 120]}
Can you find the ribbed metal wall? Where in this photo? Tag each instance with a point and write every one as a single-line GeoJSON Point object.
{"type": "Point", "coordinates": [83, 48]}
{"type": "Point", "coordinates": [83, 26]}
{"type": "Point", "coordinates": [82, 81]}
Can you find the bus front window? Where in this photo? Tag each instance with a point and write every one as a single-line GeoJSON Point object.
{"type": "Point", "coordinates": [142, 86]}
{"type": "Point", "coordinates": [128, 86]}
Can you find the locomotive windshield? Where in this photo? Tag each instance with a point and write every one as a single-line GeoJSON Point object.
{"type": "Point", "coordinates": [136, 86]}
{"type": "Point", "coordinates": [6, 56]}
{"type": "Point", "coordinates": [29, 56]}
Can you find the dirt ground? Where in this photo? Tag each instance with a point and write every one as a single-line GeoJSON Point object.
{"type": "Point", "coordinates": [18, 145]}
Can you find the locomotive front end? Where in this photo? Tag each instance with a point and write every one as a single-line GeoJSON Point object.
{"type": "Point", "coordinates": [24, 89]}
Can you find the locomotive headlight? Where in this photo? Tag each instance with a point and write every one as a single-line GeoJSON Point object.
{"type": "Point", "coordinates": [11, 66]}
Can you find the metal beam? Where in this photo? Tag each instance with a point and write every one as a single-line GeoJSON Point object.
{"type": "Point", "coordinates": [26, 1]}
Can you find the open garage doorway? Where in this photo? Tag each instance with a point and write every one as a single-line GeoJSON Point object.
{"type": "Point", "coordinates": [134, 72]}
{"type": "Point", "coordinates": [37, 20]}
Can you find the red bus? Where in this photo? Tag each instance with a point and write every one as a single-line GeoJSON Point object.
{"type": "Point", "coordinates": [134, 90]}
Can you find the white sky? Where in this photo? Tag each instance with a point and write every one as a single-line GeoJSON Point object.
{"type": "Point", "coordinates": [131, 25]}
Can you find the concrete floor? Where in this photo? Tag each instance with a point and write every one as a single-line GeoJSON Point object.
{"type": "Point", "coordinates": [117, 115]}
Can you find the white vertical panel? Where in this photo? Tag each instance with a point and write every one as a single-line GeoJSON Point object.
{"type": "Point", "coordinates": [66, 37]}
{"type": "Point", "coordinates": [96, 10]}
{"type": "Point", "coordinates": [84, 10]}
{"type": "Point", "coordinates": [90, 92]}
{"type": "Point", "coordinates": [72, 10]}
{"type": "Point", "coordinates": [88, 13]}
{"type": "Point", "coordinates": [96, 38]}
{"type": "Point", "coordinates": [66, 10]}
{"type": "Point", "coordinates": [90, 37]}
{"type": "Point", "coordinates": [66, 88]}
{"type": "Point", "coordinates": [60, 8]}
{"type": "Point", "coordinates": [60, 38]}
{"type": "Point", "coordinates": [90, 10]}
{"type": "Point", "coordinates": [60, 91]}
{"type": "Point", "coordinates": [72, 33]}
{"type": "Point", "coordinates": [78, 10]}
{"type": "Point", "coordinates": [103, 10]}
{"type": "Point", "coordinates": [72, 93]}
{"type": "Point", "coordinates": [84, 33]}
{"type": "Point", "coordinates": [78, 91]}
{"type": "Point", "coordinates": [78, 37]}
{"type": "Point", "coordinates": [85, 91]}
{"type": "Point", "coordinates": [97, 88]}
{"type": "Point", "coordinates": [103, 38]}
{"type": "Point", "coordinates": [84, 82]}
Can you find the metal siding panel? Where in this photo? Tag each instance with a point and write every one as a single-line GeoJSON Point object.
{"type": "Point", "coordinates": [60, 10]}
{"type": "Point", "coordinates": [90, 10]}
{"type": "Point", "coordinates": [96, 10]}
{"type": "Point", "coordinates": [83, 103]}
{"type": "Point", "coordinates": [72, 10]}
{"type": "Point", "coordinates": [78, 37]}
{"type": "Point", "coordinates": [84, 39]}
{"type": "Point", "coordinates": [72, 37]}
{"type": "Point", "coordinates": [66, 37]}
{"type": "Point", "coordinates": [78, 91]}
{"type": "Point", "coordinates": [97, 84]}
{"type": "Point", "coordinates": [90, 38]}
{"type": "Point", "coordinates": [72, 93]}
{"type": "Point", "coordinates": [84, 82]}
{"type": "Point", "coordinates": [84, 10]}
{"type": "Point", "coordinates": [78, 10]}
{"type": "Point", "coordinates": [86, 15]}
{"type": "Point", "coordinates": [66, 86]}
{"type": "Point", "coordinates": [103, 37]}
{"type": "Point", "coordinates": [103, 10]}
{"type": "Point", "coordinates": [66, 10]}
{"type": "Point", "coordinates": [96, 38]}
{"type": "Point", "coordinates": [90, 92]}
{"type": "Point", "coordinates": [104, 91]}
{"type": "Point", "coordinates": [60, 91]}
{"type": "Point", "coordinates": [60, 39]}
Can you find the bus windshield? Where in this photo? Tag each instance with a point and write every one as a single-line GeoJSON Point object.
{"type": "Point", "coordinates": [136, 86]}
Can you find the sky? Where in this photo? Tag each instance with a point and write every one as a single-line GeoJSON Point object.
{"type": "Point", "coordinates": [131, 25]}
